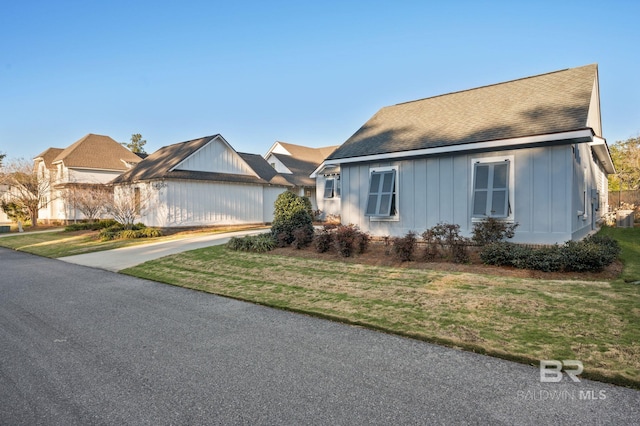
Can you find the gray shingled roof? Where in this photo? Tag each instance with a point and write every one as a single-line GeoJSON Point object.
{"type": "Point", "coordinates": [543, 104]}
{"type": "Point", "coordinates": [263, 169]}
{"type": "Point", "coordinates": [159, 165]}
{"type": "Point", "coordinates": [97, 152]}
{"type": "Point", "coordinates": [302, 162]}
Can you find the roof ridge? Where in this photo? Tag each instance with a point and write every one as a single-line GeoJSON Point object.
{"type": "Point", "coordinates": [492, 85]}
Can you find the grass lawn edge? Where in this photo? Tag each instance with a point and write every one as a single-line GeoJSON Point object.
{"type": "Point", "coordinates": [591, 373]}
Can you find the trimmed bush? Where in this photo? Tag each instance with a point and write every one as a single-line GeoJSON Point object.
{"type": "Point", "coordinates": [405, 247]}
{"type": "Point", "coordinates": [254, 243]}
{"type": "Point", "coordinates": [444, 241]}
{"type": "Point", "coordinates": [302, 237]}
{"type": "Point", "coordinates": [117, 231]}
{"type": "Point", "coordinates": [592, 254]}
{"type": "Point", "coordinates": [291, 213]}
{"type": "Point", "coordinates": [90, 226]}
{"type": "Point", "coordinates": [348, 239]}
{"type": "Point", "coordinates": [492, 230]}
{"type": "Point", "coordinates": [323, 239]}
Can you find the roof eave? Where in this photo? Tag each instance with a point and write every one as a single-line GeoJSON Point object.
{"type": "Point", "coordinates": [600, 148]}
{"type": "Point", "coordinates": [573, 136]}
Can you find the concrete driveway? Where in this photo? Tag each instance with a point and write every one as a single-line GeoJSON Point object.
{"type": "Point", "coordinates": [126, 257]}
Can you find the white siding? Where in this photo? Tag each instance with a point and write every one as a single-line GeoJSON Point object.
{"type": "Point", "coordinates": [90, 176]}
{"type": "Point", "coordinates": [218, 157]}
{"type": "Point", "coordinates": [328, 206]}
{"type": "Point", "coordinates": [278, 165]}
{"type": "Point", "coordinates": [185, 203]}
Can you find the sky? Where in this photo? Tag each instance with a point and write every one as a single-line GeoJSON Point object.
{"type": "Point", "coordinates": [304, 72]}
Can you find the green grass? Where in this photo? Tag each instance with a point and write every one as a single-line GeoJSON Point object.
{"type": "Point", "coordinates": [61, 243]}
{"type": "Point", "coordinates": [629, 239]}
{"type": "Point", "coordinates": [525, 320]}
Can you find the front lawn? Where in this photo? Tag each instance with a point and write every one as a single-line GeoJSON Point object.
{"type": "Point", "coordinates": [629, 240]}
{"type": "Point", "coordinates": [61, 244]}
{"type": "Point", "coordinates": [596, 322]}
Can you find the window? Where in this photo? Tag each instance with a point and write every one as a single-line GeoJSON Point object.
{"type": "Point", "coordinates": [328, 188]}
{"type": "Point", "coordinates": [491, 191]}
{"type": "Point", "coordinates": [136, 199]}
{"type": "Point", "coordinates": [332, 187]}
{"type": "Point", "coordinates": [381, 200]}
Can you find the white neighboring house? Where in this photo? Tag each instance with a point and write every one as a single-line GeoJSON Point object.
{"type": "Point", "coordinates": [4, 220]}
{"type": "Point", "coordinates": [296, 163]}
{"type": "Point", "coordinates": [94, 159]}
{"type": "Point", "coordinates": [529, 151]}
{"type": "Point", "coordinates": [202, 182]}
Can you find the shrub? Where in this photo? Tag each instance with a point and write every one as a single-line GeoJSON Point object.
{"type": "Point", "coordinates": [151, 232]}
{"type": "Point", "coordinates": [589, 255]}
{"type": "Point", "coordinates": [323, 239]}
{"type": "Point", "coordinates": [349, 239]}
{"type": "Point", "coordinates": [255, 243]}
{"type": "Point", "coordinates": [129, 234]}
{"type": "Point", "coordinates": [547, 259]}
{"type": "Point", "coordinates": [405, 247]}
{"type": "Point", "coordinates": [118, 231]}
{"type": "Point", "coordinates": [594, 253]}
{"type": "Point", "coordinates": [498, 254]}
{"type": "Point", "coordinates": [491, 230]}
{"type": "Point", "coordinates": [90, 226]}
{"type": "Point", "coordinates": [302, 237]}
{"type": "Point", "coordinates": [444, 241]}
{"type": "Point", "coordinates": [291, 212]}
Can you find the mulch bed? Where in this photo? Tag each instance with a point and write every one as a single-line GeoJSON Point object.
{"type": "Point", "coordinates": [377, 255]}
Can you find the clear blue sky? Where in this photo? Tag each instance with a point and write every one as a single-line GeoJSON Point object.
{"type": "Point", "coordinates": [309, 73]}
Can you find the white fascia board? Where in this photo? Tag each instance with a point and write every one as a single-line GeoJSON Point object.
{"type": "Point", "coordinates": [599, 146]}
{"type": "Point", "coordinates": [585, 135]}
{"type": "Point", "coordinates": [324, 165]}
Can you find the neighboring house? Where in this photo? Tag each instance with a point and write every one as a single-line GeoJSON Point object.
{"type": "Point", "coordinates": [529, 151]}
{"type": "Point", "coordinates": [94, 159]}
{"type": "Point", "coordinates": [296, 163]}
{"type": "Point", "coordinates": [202, 182]}
{"type": "Point", "coordinates": [4, 189]}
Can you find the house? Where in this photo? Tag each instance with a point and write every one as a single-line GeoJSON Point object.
{"type": "Point", "coordinates": [93, 159]}
{"type": "Point", "coordinates": [296, 163]}
{"type": "Point", "coordinates": [529, 151]}
{"type": "Point", "coordinates": [202, 182]}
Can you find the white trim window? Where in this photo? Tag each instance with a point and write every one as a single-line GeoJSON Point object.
{"type": "Point", "coordinates": [492, 188]}
{"type": "Point", "coordinates": [332, 187]}
{"type": "Point", "coordinates": [382, 196]}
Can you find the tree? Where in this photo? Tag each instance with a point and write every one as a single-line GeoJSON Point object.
{"type": "Point", "coordinates": [126, 204]}
{"type": "Point", "coordinates": [2, 158]}
{"type": "Point", "coordinates": [91, 199]}
{"type": "Point", "coordinates": [26, 191]}
{"type": "Point", "coordinates": [137, 143]}
{"type": "Point", "coordinates": [626, 159]}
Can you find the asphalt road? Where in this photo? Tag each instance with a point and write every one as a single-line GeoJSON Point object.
{"type": "Point", "coordinates": [83, 346]}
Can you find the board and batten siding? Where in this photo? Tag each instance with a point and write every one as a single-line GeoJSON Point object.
{"type": "Point", "coordinates": [197, 203]}
{"type": "Point", "coordinates": [438, 189]}
{"type": "Point", "coordinates": [217, 157]}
